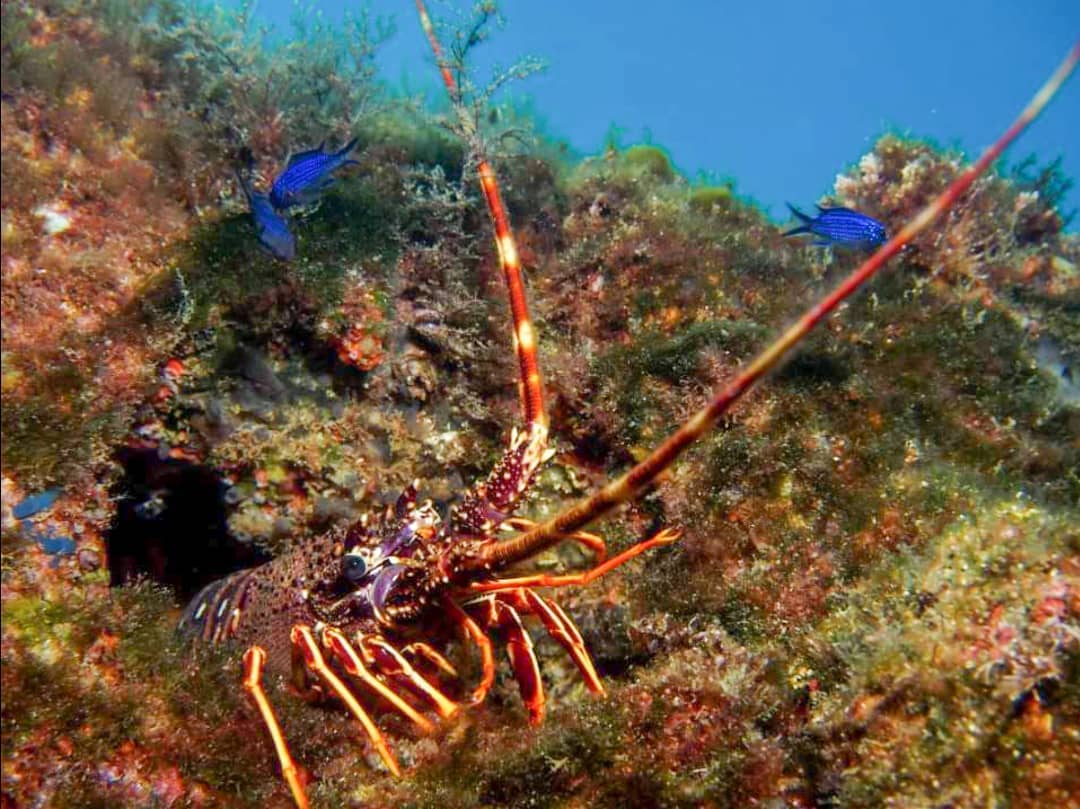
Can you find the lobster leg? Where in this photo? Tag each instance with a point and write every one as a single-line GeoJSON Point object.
{"type": "Point", "coordinates": [663, 537]}
{"type": "Point", "coordinates": [254, 660]}
{"type": "Point", "coordinates": [483, 643]}
{"type": "Point", "coordinates": [519, 648]}
{"type": "Point", "coordinates": [424, 650]}
{"type": "Point", "coordinates": [343, 651]}
{"type": "Point", "coordinates": [594, 543]}
{"type": "Point", "coordinates": [390, 662]}
{"type": "Point", "coordinates": [562, 629]}
{"type": "Point", "coordinates": [303, 639]}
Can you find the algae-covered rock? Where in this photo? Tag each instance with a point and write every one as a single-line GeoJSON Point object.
{"type": "Point", "coordinates": [709, 199]}
{"type": "Point", "coordinates": [649, 160]}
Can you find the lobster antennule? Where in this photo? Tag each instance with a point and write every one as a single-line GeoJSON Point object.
{"type": "Point", "coordinates": [547, 534]}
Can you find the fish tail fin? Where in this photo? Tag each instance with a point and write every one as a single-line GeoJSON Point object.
{"type": "Point", "coordinates": [348, 147]}
{"type": "Point", "coordinates": [804, 220]}
{"type": "Point", "coordinates": [243, 184]}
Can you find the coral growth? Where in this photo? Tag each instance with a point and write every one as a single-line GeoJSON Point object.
{"type": "Point", "coordinates": [357, 339]}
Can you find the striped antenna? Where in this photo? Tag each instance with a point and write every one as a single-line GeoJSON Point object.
{"type": "Point", "coordinates": [633, 482]}
{"type": "Point", "coordinates": [532, 393]}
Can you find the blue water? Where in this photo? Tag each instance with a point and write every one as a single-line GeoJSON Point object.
{"type": "Point", "coordinates": [778, 97]}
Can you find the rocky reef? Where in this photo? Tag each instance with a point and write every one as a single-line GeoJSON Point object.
{"type": "Point", "coordinates": [876, 599]}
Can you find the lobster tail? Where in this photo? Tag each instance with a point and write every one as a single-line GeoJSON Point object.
{"type": "Point", "coordinates": [214, 613]}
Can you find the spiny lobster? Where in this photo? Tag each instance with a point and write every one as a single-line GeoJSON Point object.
{"type": "Point", "coordinates": [339, 607]}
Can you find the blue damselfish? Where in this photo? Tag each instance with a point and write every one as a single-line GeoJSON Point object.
{"type": "Point", "coordinates": [272, 230]}
{"type": "Point", "coordinates": [307, 174]}
{"type": "Point", "coordinates": [842, 227]}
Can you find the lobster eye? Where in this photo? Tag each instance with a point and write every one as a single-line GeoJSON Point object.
{"type": "Point", "coordinates": [354, 567]}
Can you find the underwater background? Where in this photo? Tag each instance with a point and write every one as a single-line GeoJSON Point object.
{"type": "Point", "coordinates": [773, 98]}
{"type": "Point", "coordinates": [876, 598]}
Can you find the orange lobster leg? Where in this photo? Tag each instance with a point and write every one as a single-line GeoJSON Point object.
{"type": "Point", "coordinates": [424, 650]}
{"type": "Point", "coordinates": [560, 627]}
{"type": "Point", "coordinates": [343, 651]}
{"type": "Point", "coordinates": [483, 643]}
{"type": "Point", "coordinates": [593, 542]}
{"type": "Point", "coordinates": [391, 663]}
{"type": "Point", "coordinates": [254, 660]}
{"type": "Point", "coordinates": [519, 648]}
{"type": "Point", "coordinates": [663, 537]}
{"type": "Point", "coordinates": [304, 640]}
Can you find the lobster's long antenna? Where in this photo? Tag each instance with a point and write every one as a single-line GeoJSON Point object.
{"type": "Point", "coordinates": [532, 392]}
{"type": "Point", "coordinates": [630, 485]}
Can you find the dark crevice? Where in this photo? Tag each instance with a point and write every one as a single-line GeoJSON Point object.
{"type": "Point", "coordinates": [171, 525]}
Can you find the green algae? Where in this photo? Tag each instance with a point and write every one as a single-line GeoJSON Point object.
{"type": "Point", "coordinates": [49, 436]}
{"type": "Point", "coordinates": [650, 161]}
{"type": "Point", "coordinates": [1000, 562]}
{"type": "Point", "coordinates": [149, 697]}
{"type": "Point", "coordinates": [710, 199]}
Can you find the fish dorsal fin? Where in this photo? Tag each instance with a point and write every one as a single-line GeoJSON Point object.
{"type": "Point", "coordinates": [293, 159]}
{"type": "Point", "coordinates": [823, 209]}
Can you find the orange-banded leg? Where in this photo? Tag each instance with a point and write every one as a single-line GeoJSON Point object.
{"type": "Point", "coordinates": [561, 628]}
{"type": "Point", "coordinates": [487, 653]}
{"type": "Point", "coordinates": [344, 652]}
{"type": "Point", "coordinates": [501, 616]}
{"type": "Point", "coordinates": [391, 663]}
{"type": "Point", "coordinates": [254, 661]}
{"type": "Point", "coordinates": [594, 543]}
{"type": "Point", "coordinates": [304, 641]}
{"type": "Point", "coordinates": [663, 537]}
{"type": "Point", "coordinates": [423, 651]}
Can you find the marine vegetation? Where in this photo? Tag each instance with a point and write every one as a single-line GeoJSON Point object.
{"type": "Point", "coordinates": [874, 597]}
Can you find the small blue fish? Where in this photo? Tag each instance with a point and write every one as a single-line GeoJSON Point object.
{"type": "Point", "coordinates": [272, 230]}
{"type": "Point", "coordinates": [55, 544]}
{"type": "Point", "coordinates": [307, 174]}
{"type": "Point", "coordinates": [842, 227]}
{"type": "Point", "coordinates": [35, 503]}
{"type": "Point", "coordinates": [52, 543]}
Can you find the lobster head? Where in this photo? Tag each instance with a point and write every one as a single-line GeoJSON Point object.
{"type": "Point", "coordinates": [384, 568]}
